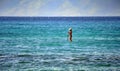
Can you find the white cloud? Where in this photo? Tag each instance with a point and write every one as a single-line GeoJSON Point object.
{"type": "Point", "coordinates": [26, 8]}
{"type": "Point", "coordinates": [67, 9]}
{"type": "Point", "coordinates": [33, 8]}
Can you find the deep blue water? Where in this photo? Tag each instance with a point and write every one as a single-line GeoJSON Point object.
{"type": "Point", "coordinates": [40, 43]}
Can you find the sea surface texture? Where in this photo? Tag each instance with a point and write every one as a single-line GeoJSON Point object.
{"type": "Point", "coordinates": [40, 43]}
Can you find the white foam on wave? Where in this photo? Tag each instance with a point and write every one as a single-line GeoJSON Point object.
{"type": "Point", "coordinates": [96, 38]}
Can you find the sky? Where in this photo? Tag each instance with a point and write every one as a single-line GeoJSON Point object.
{"type": "Point", "coordinates": [59, 7]}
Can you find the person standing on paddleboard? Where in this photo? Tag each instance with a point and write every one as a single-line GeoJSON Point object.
{"type": "Point", "coordinates": [70, 34]}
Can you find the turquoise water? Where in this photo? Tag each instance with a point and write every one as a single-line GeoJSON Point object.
{"type": "Point", "coordinates": [43, 45]}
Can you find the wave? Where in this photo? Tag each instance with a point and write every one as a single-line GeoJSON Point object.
{"type": "Point", "coordinates": [96, 38]}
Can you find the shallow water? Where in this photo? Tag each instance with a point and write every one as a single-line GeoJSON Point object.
{"type": "Point", "coordinates": [43, 45]}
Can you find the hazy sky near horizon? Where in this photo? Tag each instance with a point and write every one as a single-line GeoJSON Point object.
{"type": "Point", "coordinates": [59, 7]}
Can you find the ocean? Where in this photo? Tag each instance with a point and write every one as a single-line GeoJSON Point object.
{"type": "Point", "coordinates": [41, 44]}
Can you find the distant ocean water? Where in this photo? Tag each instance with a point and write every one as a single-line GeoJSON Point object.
{"type": "Point", "coordinates": [40, 43]}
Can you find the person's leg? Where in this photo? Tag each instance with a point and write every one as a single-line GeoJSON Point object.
{"type": "Point", "coordinates": [70, 38]}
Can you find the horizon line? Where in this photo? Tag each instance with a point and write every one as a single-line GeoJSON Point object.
{"type": "Point", "coordinates": [59, 16]}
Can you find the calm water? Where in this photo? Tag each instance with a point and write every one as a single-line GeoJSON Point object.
{"type": "Point", "coordinates": [43, 45]}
